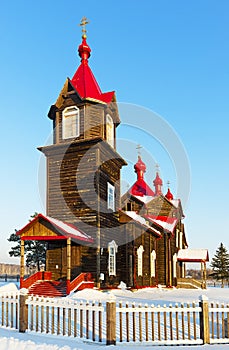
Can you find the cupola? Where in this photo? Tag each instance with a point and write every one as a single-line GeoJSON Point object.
{"type": "Point", "coordinates": [158, 184]}
{"type": "Point", "coordinates": [140, 187]}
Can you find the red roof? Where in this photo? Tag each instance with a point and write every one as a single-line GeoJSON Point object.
{"type": "Point", "coordinates": [169, 195]}
{"type": "Point", "coordinates": [140, 187]}
{"type": "Point", "coordinates": [84, 80]}
{"type": "Point", "coordinates": [165, 222]}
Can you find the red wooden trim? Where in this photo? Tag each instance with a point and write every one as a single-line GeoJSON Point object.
{"type": "Point", "coordinates": [192, 260]}
{"type": "Point", "coordinates": [42, 238]}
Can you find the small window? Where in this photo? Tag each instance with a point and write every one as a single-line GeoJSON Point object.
{"type": "Point", "coordinates": [110, 196]}
{"type": "Point", "coordinates": [70, 122]}
{"type": "Point", "coordinates": [140, 251]}
{"type": "Point", "coordinates": [110, 130]}
{"type": "Point", "coordinates": [112, 250]}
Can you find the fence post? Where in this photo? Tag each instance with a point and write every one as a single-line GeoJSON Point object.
{"type": "Point", "coordinates": [111, 321]}
{"type": "Point", "coordinates": [204, 320]}
{"type": "Point", "coordinates": [23, 313]}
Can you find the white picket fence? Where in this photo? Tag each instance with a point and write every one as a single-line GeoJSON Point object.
{"type": "Point", "coordinates": [111, 322]}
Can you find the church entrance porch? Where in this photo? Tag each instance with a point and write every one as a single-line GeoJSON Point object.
{"type": "Point", "coordinates": [63, 271]}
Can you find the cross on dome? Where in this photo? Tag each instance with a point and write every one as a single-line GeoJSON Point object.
{"type": "Point", "coordinates": [83, 23]}
{"type": "Point", "coordinates": [138, 148]}
{"type": "Point", "coordinates": [169, 195]}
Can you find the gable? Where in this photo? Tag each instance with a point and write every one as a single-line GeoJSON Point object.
{"type": "Point", "coordinates": [67, 92]}
{"type": "Point", "coordinates": [160, 206]}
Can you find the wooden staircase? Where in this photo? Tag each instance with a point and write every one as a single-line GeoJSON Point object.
{"type": "Point", "coordinates": [48, 289]}
{"type": "Point", "coordinates": [40, 284]}
{"type": "Point", "coordinates": [189, 283]}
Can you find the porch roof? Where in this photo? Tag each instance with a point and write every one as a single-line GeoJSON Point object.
{"type": "Point", "coordinates": [46, 228]}
{"type": "Point", "coordinates": [193, 255]}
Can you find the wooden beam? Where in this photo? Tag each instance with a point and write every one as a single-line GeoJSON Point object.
{"type": "Point", "coordinates": [22, 264]}
{"type": "Point", "coordinates": [68, 264]}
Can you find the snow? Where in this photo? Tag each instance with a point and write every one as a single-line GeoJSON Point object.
{"type": "Point", "coordinates": [165, 224]}
{"type": "Point", "coordinates": [10, 287]}
{"type": "Point", "coordinates": [144, 199]}
{"type": "Point", "coordinates": [68, 228]}
{"type": "Point", "coordinates": [133, 215]}
{"type": "Point", "coordinates": [193, 254]}
{"type": "Point", "coordinates": [13, 340]}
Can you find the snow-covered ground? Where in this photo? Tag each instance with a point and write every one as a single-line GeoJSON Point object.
{"type": "Point", "coordinates": [13, 340]}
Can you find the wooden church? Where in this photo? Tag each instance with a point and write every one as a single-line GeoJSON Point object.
{"type": "Point", "coordinates": [94, 236]}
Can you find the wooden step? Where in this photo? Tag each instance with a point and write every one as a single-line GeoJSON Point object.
{"type": "Point", "coordinates": [48, 289]}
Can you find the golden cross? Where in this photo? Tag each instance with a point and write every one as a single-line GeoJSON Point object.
{"type": "Point", "coordinates": [138, 148]}
{"type": "Point", "coordinates": [157, 168]}
{"type": "Point", "coordinates": [168, 183]}
{"type": "Point", "coordinates": [83, 23]}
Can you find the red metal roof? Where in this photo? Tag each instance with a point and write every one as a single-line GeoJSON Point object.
{"type": "Point", "coordinates": [165, 222]}
{"type": "Point", "coordinates": [84, 80]}
{"type": "Point", "coordinates": [169, 195]}
{"type": "Point", "coordinates": [140, 187]}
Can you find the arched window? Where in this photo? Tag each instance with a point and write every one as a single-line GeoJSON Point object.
{"type": "Point", "coordinates": [175, 265]}
{"type": "Point", "coordinates": [110, 130]}
{"type": "Point", "coordinates": [70, 122]}
{"type": "Point", "coordinates": [153, 263]}
{"type": "Point", "coordinates": [140, 251]}
{"type": "Point", "coordinates": [112, 250]}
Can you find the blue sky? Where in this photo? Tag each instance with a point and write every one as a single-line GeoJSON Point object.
{"type": "Point", "coordinates": [170, 57]}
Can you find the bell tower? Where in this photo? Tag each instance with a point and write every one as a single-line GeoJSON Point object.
{"type": "Point", "coordinates": [83, 166]}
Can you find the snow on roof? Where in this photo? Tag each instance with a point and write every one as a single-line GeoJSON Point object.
{"type": "Point", "coordinates": [166, 223]}
{"type": "Point", "coordinates": [65, 229]}
{"type": "Point", "coordinates": [193, 255]}
{"type": "Point", "coordinates": [175, 202]}
{"type": "Point", "coordinates": [138, 218]}
{"type": "Point", "coordinates": [69, 229]}
{"type": "Point", "coordinates": [144, 199]}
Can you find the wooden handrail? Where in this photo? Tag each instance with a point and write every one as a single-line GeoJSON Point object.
{"type": "Point", "coordinates": [83, 277]}
{"type": "Point", "coordinates": [38, 276]}
{"type": "Point", "coordinates": [192, 281]}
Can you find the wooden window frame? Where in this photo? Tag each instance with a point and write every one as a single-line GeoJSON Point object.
{"type": "Point", "coordinates": [73, 113]}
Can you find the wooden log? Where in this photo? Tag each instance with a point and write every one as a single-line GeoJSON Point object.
{"type": "Point", "coordinates": [152, 324]}
{"type": "Point", "coordinates": [182, 322]}
{"type": "Point", "coordinates": [194, 321]}
{"type": "Point", "coordinates": [69, 322]}
{"type": "Point", "coordinates": [188, 320]}
{"type": "Point", "coordinates": [23, 318]}
{"type": "Point", "coordinates": [134, 322]}
{"type": "Point", "coordinates": [177, 323]}
{"type": "Point", "coordinates": [111, 322]}
{"type": "Point", "coordinates": [146, 323]}
{"type": "Point", "coordinates": [47, 319]}
{"type": "Point", "coordinates": [87, 320]}
{"type": "Point", "coordinates": [171, 323]}
{"type": "Point", "coordinates": [81, 321]}
{"type": "Point", "coordinates": [75, 322]}
{"type": "Point", "coordinates": [120, 322]}
{"type": "Point", "coordinates": [127, 324]}
{"type": "Point", "coordinates": [159, 324]}
{"type": "Point", "coordinates": [204, 320]}
{"type": "Point", "coordinates": [93, 321]}
{"type": "Point", "coordinates": [100, 323]}
{"type": "Point", "coordinates": [165, 324]}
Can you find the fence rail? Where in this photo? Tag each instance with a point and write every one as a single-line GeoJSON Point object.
{"type": "Point", "coordinates": [219, 323]}
{"type": "Point", "coordinates": [9, 315]}
{"type": "Point", "coordinates": [166, 325]}
{"type": "Point", "coordinates": [66, 317]}
{"type": "Point", "coordinates": [111, 322]}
